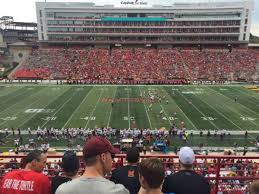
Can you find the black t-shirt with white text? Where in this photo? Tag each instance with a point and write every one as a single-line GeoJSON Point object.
{"type": "Point", "coordinates": [186, 182]}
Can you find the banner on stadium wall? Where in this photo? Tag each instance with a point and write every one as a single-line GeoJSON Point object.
{"type": "Point", "coordinates": [135, 2]}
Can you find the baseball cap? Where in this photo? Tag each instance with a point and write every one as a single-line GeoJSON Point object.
{"type": "Point", "coordinates": [186, 155]}
{"type": "Point", "coordinates": [97, 145]}
{"type": "Point", "coordinates": [70, 162]}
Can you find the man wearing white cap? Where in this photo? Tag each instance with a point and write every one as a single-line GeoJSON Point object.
{"type": "Point", "coordinates": [186, 181]}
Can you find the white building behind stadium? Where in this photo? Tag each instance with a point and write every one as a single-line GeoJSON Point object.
{"type": "Point", "coordinates": [137, 22]}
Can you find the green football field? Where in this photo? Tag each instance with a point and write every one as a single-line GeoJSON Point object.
{"type": "Point", "coordinates": [61, 106]}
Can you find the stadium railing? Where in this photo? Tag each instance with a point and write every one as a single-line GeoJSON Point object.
{"type": "Point", "coordinates": [228, 174]}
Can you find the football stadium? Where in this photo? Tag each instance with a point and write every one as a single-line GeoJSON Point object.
{"type": "Point", "coordinates": [148, 76]}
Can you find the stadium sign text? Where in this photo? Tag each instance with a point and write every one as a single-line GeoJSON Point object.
{"type": "Point", "coordinates": [136, 2]}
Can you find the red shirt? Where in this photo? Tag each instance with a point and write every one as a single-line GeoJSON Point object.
{"type": "Point", "coordinates": [24, 182]}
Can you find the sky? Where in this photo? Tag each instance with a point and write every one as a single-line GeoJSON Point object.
{"type": "Point", "coordinates": [25, 11]}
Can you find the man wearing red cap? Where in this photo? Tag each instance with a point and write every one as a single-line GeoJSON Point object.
{"type": "Point", "coordinates": [98, 155]}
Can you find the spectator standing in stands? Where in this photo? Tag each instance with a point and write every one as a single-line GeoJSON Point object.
{"type": "Point", "coordinates": [151, 176]}
{"type": "Point", "coordinates": [98, 154]}
{"type": "Point", "coordinates": [128, 175]}
{"type": "Point", "coordinates": [70, 166]}
{"type": "Point", "coordinates": [28, 180]}
{"type": "Point", "coordinates": [186, 181]}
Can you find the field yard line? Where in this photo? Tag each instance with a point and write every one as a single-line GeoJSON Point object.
{"type": "Point", "coordinates": [109, 119]}
{"type": "Point", "coordinates": [197, 109]}
{"type": "Point", "coordinates": [243, 105]}
{"type": "Point", "coordinates": [77, 108]}
{"type": "Point", "coordinates": [170, 123]}
{"type": "Point", "coordinates": [250, 95]}
{"type": "Point", "coordinates": [247, 94]}
{"type": "Point", "coordinates": [181, 111]}
{"type": "Point", "coordinates": [12, 96]}
{"type": "Point", "coordinates": [233, 110]}
{"type": "Point", "coordinates": [59, 109]}
{"type": "Point", "coordinates": [9, 92]}
{"type": "Point", "coordinates": [4, 101]}
{"type": "Point", "coordinates": [89, 118]}
{"type": "Point", "coordinates": [128, 107]}
{"type": "Point", "coordinates": [18, 102]}
{"type": "Point", "coordinates": [20, 111]}
{"type": "Point", "coordinates": [43, 108]}
{"type": "Point", "coordinates": [146, 111]}
{"type": "Point", "coordinates": [221, 114]}
{"type": "Point", "coordinates": [166, 115]}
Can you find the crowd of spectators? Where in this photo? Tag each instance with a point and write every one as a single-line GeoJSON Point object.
{"type": "Point", "coordinates": [216, 64]}
{"type": "Point", "coordinates": [139, 65]}
{"type": "Point", "coordinates": [207, 168]}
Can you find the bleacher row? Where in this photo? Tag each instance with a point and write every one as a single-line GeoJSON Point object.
{"type": "Point", "coordinates": [227, 174]}
{"type": "Point", "coordinates": [139, 64]}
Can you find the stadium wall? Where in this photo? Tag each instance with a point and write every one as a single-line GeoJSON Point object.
{"type": "Point", "coordinates": [20, 52]}
{"type": "Point", "coordinates": [58, 23]}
